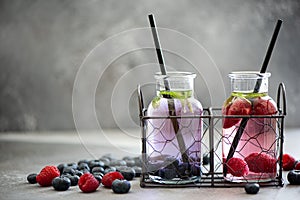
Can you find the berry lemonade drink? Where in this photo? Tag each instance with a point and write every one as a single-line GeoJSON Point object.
{"type": "Point", "coordinates": [173, 144]}
{"type": "Point", "coordinates": [255, 156]}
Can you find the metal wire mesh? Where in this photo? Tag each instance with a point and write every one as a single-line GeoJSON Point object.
{"type": "Point", "coordinates": [205, 169]}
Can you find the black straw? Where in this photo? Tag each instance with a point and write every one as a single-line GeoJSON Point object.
{"type": "Point", "coordinates": [171, 105]}
{"type": "Point", "coordinates": [263, 69]}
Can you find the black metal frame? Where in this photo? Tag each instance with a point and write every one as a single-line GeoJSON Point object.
{"type": "Point", "coordinates": [212, 177]}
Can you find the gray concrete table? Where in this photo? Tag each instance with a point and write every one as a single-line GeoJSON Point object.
{"type": "Point", "coordinates": [24, 153]}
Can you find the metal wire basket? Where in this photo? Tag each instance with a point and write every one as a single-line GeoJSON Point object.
{"type": "Point", "coordinates": [212, 173]}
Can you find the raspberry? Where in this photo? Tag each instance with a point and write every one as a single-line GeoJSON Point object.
{"type": "Point", "coordinates": [88, 183]}
{"type": "Point", "coordinates": [47, 174]}
{"type": "Point", "coordinates": [262, 106]}
{"type": "Point", "coordinates": [297, 165]}
{"type": "Point", "coordinates": [288, 162]}
{"type": "Point", "coordinates": [261, 163]}
{"type": "Point", "coordinates": [237, 167]}
{"type": "Point", "coordinates": [239, 106]}
{"type": "Point", "coordinates": [110, 177]}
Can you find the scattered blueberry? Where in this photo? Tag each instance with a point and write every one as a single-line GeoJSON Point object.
{"type": "Point", "coordinates": [138, 171]}
{"type": "Point", "coordinates": [294, 177]}
{"type": "Point", "coordinates": [69, 170]}
{"type": "Point", "coordinates": [110, 169]}
{"type": "Point", "coordinates": [73, 178]}
{"type": "Point", "coordinates": [31, 178]}
{"type": "Point", "coordinates": [96, 163]}
{"type": "Point", "coordinates": [72, 165]}
{"type": "Point", "coordinates": [61, 183]}
{"type": "Point", "coordinates": [127, 172]}
{"type": "Point", "coordinates": [82, 161]}
{"type": "Point", "coordinates": [98, 176]}
{"type": "Point", "coordinates": [83, 166]}
{"type": "Point", "coordinates": [138, 161]}
{"type": "Point", "coordinates": [118, 163]}
{"type": "Point", "coordinates": [121, 186]}
{"type": "Point", "coordinates": [105, 161]}
{"type": "Point", "coordinates": [78, 173]}
{"type": "Point", "coordinates": [130, 162]}
{"type": "Point", "coordinates": [97, 169]}
{"type": "Point", "coordinates": [252, 188]}
{"type": "Point", "coordinates": [61, 167]}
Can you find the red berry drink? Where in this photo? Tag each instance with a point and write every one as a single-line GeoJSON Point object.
{"type": "Point", "coordinates": [173, 144]}
{"type": "Point", "coordinates": [258, 143]}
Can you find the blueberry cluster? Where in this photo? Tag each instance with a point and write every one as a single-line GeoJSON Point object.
{"type": "Point", "coordinates": [170, 168]}
{"type": "Point", "coordinates": [70, 173]}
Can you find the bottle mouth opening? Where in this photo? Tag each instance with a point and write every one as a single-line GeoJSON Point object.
{"type": "Point", "coordinates": [249, 75]}
{"type": "Point", "coordinates": [174, 74]}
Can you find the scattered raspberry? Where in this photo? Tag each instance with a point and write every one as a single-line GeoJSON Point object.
{"type": "Point", "coordinates": [110, 177]}
{"type": "Point", "coordinates": [261, 163]}
{"type": "Point", "coordinates": [262, 106]}
{"type": "Point", "coordinates": [88, 183]}
{"type": "Point", "coordinates": [297, 165]}
{"type": "Point", "coordinates": [237, 167]}
{"type": "Point", "coordinates": [288, 162]}
{"type": "Point", "coordinates": [47, 174]}
{"type": "Point", "coordinates": [239, 106]}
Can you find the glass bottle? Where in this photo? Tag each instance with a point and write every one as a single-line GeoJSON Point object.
{"type": "Point", "coordinates": [174, 138]}
{"type": "Point", "coordinates": [254, 156]}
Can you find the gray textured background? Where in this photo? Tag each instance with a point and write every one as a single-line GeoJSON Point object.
{"type": "Point", "coordinates": [43, 43]}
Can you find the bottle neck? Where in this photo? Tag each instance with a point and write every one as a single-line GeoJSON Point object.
{"type": "Point", "coordinates": [178, 85]}
{"type": "Point", "coordinates": [249, 83]}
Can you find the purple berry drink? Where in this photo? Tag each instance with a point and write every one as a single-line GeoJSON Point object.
{"type": "Point", "coordinates": [174, 144]}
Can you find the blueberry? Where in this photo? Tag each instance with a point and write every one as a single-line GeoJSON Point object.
{"type": "Point", "coordinates": [110, 169]}
{"type": "Point", "coordinates": [154, 166]}
{"type": "Point", "coordinates": [138, 171]}
{"type": "Point", "coordinates": [68, 170]}
{"type": "Point", "coordinates": [130, 162]}
{"type": "Point", "coordinates": [96, 163]}
{"type": "Point", "coordinates": [120, 186]}
{"type": "Point", "coordinates": [294, 177]}
{"type": "Point", "coordinates": [97, 169]}
{"type": "Point", "coordinates": [184, 170]}
{"type": "Point", "coordinates": [117, 163]}
{"type": "Point", "coordinates": [72, 165]}
{"type": "Point", "coordinates": [73, 178]}
{"type": "Point", "coordinates": [82, 161]}
{"type": "Point", "coordinates": [61, 183]}
{"type": "Point", "coordinates": [31, 178]}
{"type": "Point", "coordinates": [252, 188]}
{"type": "Point", "coordinates": [61, 167]}
{"type": "Point", "coordinates": [85, 171]}
{"type": "Point", "coordinates": [138, 161]}
{"type": "Point", "coordinates": [127, 172]}
{"type": "Point", "coordinates": [167, 173]}
{"type": "Point", "coordinates": [83, 166]}
{"type": "Point", "coordinates": [206, 159]}
{"type": "Point", "coordinates": [98, 176]}
{"type": "Point", "coordinates": [78, 173]}
{"type": "Point", "coordinates": [196, 169]}
{"type": "Point", "coordinates": [105, 161]}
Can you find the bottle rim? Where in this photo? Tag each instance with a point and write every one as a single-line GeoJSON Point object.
{"type": "Point", "coordinates": [175, 74]}
{"type": "Point", "coordinates": [248, 75]}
